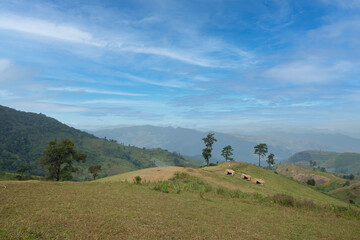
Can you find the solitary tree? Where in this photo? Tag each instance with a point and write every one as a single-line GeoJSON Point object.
{"type": "Point", "coordinates": [271, 160]}
{"type": "Point", "coordinates": [59, 158]}
{"type": "Point", "coordinates": [227, 152]}
{"type": "Point", "coordinates": [22, 171]}
{"type": "Point", "coordinates": [261, 149]}
{"type": "Point", "coordinates": [209, 141]}
{"type": "Point", "coordinates": [312, 163]}
{"type": "Point", "coordinates": [94, 170]}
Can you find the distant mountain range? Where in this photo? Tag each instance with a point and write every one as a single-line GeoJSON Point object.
{"type": "Point", "coordinates": [188, 142]}
{"type": "Point", "coordinates": [24, 136]}
{"type": "Point", "coordinates": [332, 161]}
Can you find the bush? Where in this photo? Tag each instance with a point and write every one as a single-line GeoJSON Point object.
{"type": "Point", "coordinates": [347, 183]}
{"type": "Point", "coordinates": [283, 199]}
{"type": "Point", "coordinates": [220, 191]}
{"type": "Point", "coordinates": [311, 182]}
{"type": "Point", "coordinates": [290, 201]}
{"type": "Point", "coordinates": [137, 180]}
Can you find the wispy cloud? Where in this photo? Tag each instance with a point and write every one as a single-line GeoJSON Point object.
{"type": "Point", "coordinates": [167, 83]}
{"type": "Point", "coordinates": [305, 72]}
{"type": "Point", "coordinates": [45, 28]}
{"type": "Point", "coordinates": [89, 90]}
{"type": "Point", "coordinates": [11, 72]}
{"type": "Point", "coordinates": [131, 43]}
{"type": "Point", "coordinates": [126, 102]}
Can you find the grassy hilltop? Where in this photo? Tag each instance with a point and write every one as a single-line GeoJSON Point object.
{"type": "Point", "coordinates": [191, 204]}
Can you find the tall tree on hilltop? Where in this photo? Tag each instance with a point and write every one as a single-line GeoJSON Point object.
{"type": "Point", "coordinates": [59, 158]}
{"type": "Point", "coordinates": [209, 141]}
{"type": "Point", "coordinates": [271, 160]}
{"type": "Point", "coordinates": [261, 149]}
{"type": "Point", "coordinates": [227, 152]}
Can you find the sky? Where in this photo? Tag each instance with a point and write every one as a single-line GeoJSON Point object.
{"type": "Point", "coordinates": [205, 64]}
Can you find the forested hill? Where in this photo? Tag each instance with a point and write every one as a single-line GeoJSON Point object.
{"type": "Point", "coordinates": [24, 136]}
{"type": "Point", "coordinates": [331, 161]}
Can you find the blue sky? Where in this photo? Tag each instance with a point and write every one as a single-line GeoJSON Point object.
{"type": "Point", "coordinates": [211, 64]}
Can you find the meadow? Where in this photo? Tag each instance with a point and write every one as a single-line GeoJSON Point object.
{"type": "Point", "coordinates": [126, 210]}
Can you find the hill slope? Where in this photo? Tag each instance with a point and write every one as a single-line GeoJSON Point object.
{"type": "Point", "coordinates": [24, 136]}
{"type": "Point", "coordinates": [215, 176]}
{"type": "Point", "coordinates": [326, 182]}
{"type": "Point", "coordinates": [332, 161]}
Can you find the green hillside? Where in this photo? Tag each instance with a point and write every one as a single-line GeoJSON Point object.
{"type": "Point", "coordinates": [326, 182]}
{"type": "Point", "coordinates": [24, 136]}
{"type": "Point", "coordinates": [331, 161]}
{"type": "Point", "coordinates": [194, 204]}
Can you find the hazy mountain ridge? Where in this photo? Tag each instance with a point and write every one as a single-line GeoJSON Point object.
{"type": "Point", "coordinates": [189, 142]}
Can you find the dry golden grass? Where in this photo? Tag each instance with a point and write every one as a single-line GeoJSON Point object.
{"type": "Point", "coordinates": [215, 176]}
{"type": "Point", "coordinates": [50, 210]}
{"type": "Point", "coordinates": [148, 174]}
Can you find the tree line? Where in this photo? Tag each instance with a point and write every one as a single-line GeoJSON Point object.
{"type": "Point", "coordinates": [260, 149]}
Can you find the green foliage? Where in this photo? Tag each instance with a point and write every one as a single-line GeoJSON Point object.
{"type": "Point", "coordinates": [137, 180]}
{"type": "Point", "coordinates": [209, 141]}
{"type": "Point", "coordinates": [24, 136]}
{"type": "Point", "coordinates": [261, 149]}
{"type": "Point", "coordinates": [22, 171]}
{"type": "Point", "coordinates": [59, 158]}
{"type": "Point", "coordinates": [94, 170]}
{"type": "Point", "coordinates": [290, 201]}
{"type": "Point", "coordinates": [227, 152]}
{"type": "Point", "coordinates": [271, 160]}
{"type": "Point", "coordinates": [347, 183]}
{"type": "Point", "coordinates": [311, 182]}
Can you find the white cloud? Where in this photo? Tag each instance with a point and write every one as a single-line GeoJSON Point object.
{"type": "Point", "coordinates": [171, 53]}
{"type": "Point", "coordinates": [199, 53]}
{"type": "Point", "coordinates": [89, 90]}
{"type": "Point", "coordinates": [4, 64]}
{"type": "Point", "coordinates": [125, 102]}
{"type": "Point", "coordinates": [173, 83]}
{"type": "Point", "coordinates": [10, 71]}
{"type": "Point", "coordinates": [47, 29]}
{"type": "Point", "coordinates": [6, 94]}
{"type": "Point", "coordinates": [303, 72]}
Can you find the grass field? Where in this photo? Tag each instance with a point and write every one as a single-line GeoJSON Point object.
{"type": "Point", "coordinates": [124, 210]}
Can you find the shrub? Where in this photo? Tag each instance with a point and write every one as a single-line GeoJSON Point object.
{"type": "Point", "coordinates": [220, 191]}
{"type": "Point", "coordinates": [347, 183]}
{"type": "Point", "coordinates": [290, 201]}
{"type": "Point", "coordinates": [137, 180]}
{"type": "Point", "coordinates": [283, 199]}
{"type": "Point", "coordinates": [311, 182]}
